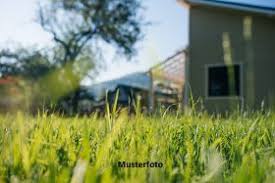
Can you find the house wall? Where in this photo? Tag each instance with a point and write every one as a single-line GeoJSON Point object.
{"type": "Point", "coordinates": [221, 36]}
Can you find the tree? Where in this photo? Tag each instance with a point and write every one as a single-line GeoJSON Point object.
{"type": "Point", "coordinates": [23, 68]}
{"type": "Point", "coordinates": [75, 24]}
{"type": "Point", "coordinates": [24, 62]}
{"type": "Point", "coordinates": [41, 79]}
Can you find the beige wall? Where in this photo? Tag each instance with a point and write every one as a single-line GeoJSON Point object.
{"type": "Point", "coordinates": [245, 38]}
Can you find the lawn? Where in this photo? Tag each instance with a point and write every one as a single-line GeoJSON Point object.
{"type": "Point", "coordinates": [160, 148]}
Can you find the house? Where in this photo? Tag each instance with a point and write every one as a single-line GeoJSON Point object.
{"type": "Point", "coordinates": [129, 87]}
{"type": "Point", "coordinates": [231, 59]}
{"type": "Point", "coordinates": [92, 98]}
{"type": "Point", "coordinates": [168, 79]}
{"type": "Point", "coordinates": [160, 86]}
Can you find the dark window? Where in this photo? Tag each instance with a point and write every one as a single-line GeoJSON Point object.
{"type": "Point", "coordinates": [224, 81]}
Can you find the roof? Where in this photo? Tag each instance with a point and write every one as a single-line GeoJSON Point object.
{"type": "Point", "coordinates": [139, 80]}
{"type": "Point", "coordinates": [171, 69]}
{"type": "Point", "coordinates": [257, 6]}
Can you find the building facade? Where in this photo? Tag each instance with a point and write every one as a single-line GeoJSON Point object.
{"type": "Point", "coordinates": [231, 62]}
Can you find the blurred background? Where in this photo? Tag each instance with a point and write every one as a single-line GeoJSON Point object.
{"type": "Point", "coordinates": [56, 52]}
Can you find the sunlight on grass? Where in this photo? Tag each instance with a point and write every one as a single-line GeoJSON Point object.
{"type": "Point", "coordinates": [193, 148]}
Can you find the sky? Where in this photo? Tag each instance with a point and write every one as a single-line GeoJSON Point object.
{"type": "Point", "coordinates": [167, 34]}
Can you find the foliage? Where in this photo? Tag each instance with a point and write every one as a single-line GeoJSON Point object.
{"type": "Point", "coordinates": [40, 79]}
{"type": "Point", "coordinates": [74, 24]}
{"type": "Point", "coordinates": [193, 148]}
{"type": "Point", "coordinates": [24, 62]}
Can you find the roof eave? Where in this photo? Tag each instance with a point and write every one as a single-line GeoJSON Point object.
{"type": "Point", "coordinates": [229, 6]}
{"type": "Point", "coordinates": [184, 3]}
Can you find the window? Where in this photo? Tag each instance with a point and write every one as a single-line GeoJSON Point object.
{"type": "Point", "coordinates": [224, 81]}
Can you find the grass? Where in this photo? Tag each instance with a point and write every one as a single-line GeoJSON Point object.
{"type": "Point", "coordinates": [192, 148]}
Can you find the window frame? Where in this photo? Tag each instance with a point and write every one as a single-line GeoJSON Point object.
{"type": "Point", "coordinates": [208, 66]}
